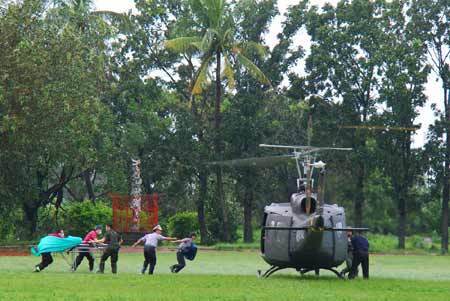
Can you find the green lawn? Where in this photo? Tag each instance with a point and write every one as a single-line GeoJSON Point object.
{"type": "Point", "coordinates": [224, 276]}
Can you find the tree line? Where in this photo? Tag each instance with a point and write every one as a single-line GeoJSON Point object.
{"type": "Point", "coordinates": [178, 84]}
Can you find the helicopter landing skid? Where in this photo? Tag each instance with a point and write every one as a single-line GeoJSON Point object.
{"type": "Point", "coordinates": [272, 270]}
{"type": "Point", "coordinates": [304, 271]}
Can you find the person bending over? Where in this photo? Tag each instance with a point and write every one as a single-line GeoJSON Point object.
{"type": "Point", "coordinates": [183, 249]}
{"type": "Point", "coordinates": [47, 258]}
{"type": "Point", "coordinates": [360, 256]}
{"type": "Point", "coordinates": [150, 244]}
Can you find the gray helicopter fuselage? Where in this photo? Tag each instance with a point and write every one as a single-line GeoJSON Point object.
{"type": "Point", "coordinates": [304, 249]}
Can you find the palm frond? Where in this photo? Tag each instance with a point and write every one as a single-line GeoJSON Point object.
{"type": "Point", "coordinates": [253, 69]}
{"type": "Point", "coordinates": [207, 40]}
{"type": "Point", "coordinates": [214, 10]}
{"type": "Point", "coordinates": [261, 50]}
{"type": "Point", "coordinates": [229, 73]}
{"type": "Point", "coordinates": [201, 76]}
{"type": "Point", "coordinates": [182, 44]}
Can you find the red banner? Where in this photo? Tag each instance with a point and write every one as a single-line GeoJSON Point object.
{"type": "Point", "coordinates": [123, 213]}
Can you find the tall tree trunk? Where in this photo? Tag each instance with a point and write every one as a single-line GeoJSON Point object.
{"type": "Point", "coordinates": [402, 187]}
{"type": "Point", "coordinates": [89, 186]}
{"type": "Point", "coordinates": [203, 179]}
{"type": "Point", "coordinates": [30, 218]}
{"type": "Point", "coordinates": [359, 197]}
{"type": "Point", "coordinates": [218, 145]}
{"type": "Point", "coordinates": [248, 208]}
{"type": "Point", "coordinates": [445, 187]}
{"type": "Point", "coordinates": [401, 218]}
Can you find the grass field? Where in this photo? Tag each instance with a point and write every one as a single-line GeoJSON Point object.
{"type": "Point", "coordinates": [224, 276]}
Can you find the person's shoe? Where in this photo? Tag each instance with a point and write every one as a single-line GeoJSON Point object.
{"type": "Point", "coordinates": [172, 269]}
{"type": "Point", "coordinates": [36, 269]}
{"type": "Point", "coordinates": [100, 272]}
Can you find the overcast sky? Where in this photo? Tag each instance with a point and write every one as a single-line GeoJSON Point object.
{"type": "Point", "coordinates": [433, 88]}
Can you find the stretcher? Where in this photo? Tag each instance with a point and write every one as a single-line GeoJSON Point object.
{"type": "Point", "coordinates": [96, 250]}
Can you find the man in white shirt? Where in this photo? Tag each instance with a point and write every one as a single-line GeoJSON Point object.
{"type": "Point", "coordinates": [150, 244]}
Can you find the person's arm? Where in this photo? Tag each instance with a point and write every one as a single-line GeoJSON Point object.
{"type": "Point", "coordinates": [173, 239]}
{"type": "Point", "coordinates": [96, 241]}
{"type": "Point", "coordinates": [100, 241]}
{"type": "Point", "coordinates": [180, 240]}
{"type": "Point", "coordinates": [135, 244]}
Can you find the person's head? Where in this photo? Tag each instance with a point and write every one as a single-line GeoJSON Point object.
{"type": "Point", "coordinates": [193, 236]}
{"type": "Point", "coordinates": [157, 229]}
{"type": "Point", "coordinates": [349, 234]}
{"type": "Point", "coordinates": [98, 229]}
{"type": "Point", "coordinates": [60, 232]}
{"type": "Point", "coordinates": [108, 227]}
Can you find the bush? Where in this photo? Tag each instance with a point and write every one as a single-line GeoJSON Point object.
{"type": "Point", "coordinates": [182, 224]}
{"type": "Point", "coordinates": [81, 217]}
{"type": "Point", "coordinates": [75, 218]}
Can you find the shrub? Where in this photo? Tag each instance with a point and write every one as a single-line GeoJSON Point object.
{"type": "Point", "coordinates": [182, 224]}
{"type": "Point", "coordinates": [83, 216]}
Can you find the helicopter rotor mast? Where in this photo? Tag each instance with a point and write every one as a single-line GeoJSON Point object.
{"type": "Point", "coordinates": [305, 151]}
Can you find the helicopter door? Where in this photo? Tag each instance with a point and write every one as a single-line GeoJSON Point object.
{"type": "Point", "coordinates": [276, 243]}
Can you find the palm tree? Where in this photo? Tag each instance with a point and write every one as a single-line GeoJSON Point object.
{"type": "Point", "coordinates": [216, 43]}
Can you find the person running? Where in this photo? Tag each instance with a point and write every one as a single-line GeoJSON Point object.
{"type": "Point", "coordinates": [90, 238]}
{"type": "Point", "coordinates": [47, 258]}
{"type": "Point", "coordinates": [150, 244]}
{"type": "Point", "coordinates": [183, 250]}
{"type": "Point", "coordinates": [360, 256]}
{"type": "Point", "coordinates": [114, 240]}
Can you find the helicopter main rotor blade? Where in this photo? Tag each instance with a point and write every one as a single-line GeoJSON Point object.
{"type": "Point", "coordinates": [307, 148]}
{"type": "Point", "coordinates": [316, 228]}
{"type": "Point", "coordinates": [254, 161]}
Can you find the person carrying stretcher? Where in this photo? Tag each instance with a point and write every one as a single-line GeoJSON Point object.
{"type": "Point", "coordinates": [90, 238]}
{"type": "Point", "coordinates": [114, 241]}
{"type": "Point", "coordinates": [53, 242]}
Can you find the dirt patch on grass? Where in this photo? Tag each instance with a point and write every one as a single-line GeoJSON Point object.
{"type": "Point", "coordinates": [13, 251]}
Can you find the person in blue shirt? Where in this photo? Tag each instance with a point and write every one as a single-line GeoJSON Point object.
{"type": "Point", "coordinates": [360, 256]}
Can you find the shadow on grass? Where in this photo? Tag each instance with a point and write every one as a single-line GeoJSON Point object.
{"type": "Point", "coordinates": [305, 277]}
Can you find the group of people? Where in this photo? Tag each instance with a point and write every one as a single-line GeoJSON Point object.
{"type": "Point", "coordinates": [358, 254]}
{"type": "Point", "coordinates": [113, 241]}
{"type": "Point", "coordinates": [358, 251]}
{"type": "Point", "coordinates": [151, 243]}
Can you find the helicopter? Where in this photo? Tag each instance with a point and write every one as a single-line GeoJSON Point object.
{"type": "Point", "coordinates": [305, 234]}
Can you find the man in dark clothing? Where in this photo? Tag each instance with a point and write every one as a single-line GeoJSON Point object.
{"type": "Point", "coordinates": [90, 238]}
{"type": "Point", "coordinates": [360, 256]}
{"type": "Point", "coordinates": [114, 240]}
